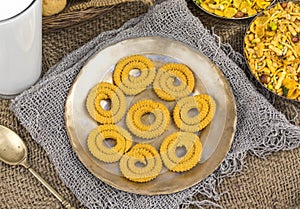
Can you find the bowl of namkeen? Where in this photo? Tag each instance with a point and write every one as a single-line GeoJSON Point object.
{"type": "Point", "coordinates": [139, 161]}
{"type": "Point", "coordinates": [272, 49]}
{"type": "Point", "coordinates": [233, 9]}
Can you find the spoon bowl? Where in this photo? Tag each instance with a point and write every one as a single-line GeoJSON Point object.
{"type": "Point", "coordinates": [13, 151]}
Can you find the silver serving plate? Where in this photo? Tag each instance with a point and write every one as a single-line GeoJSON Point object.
{"type": "Point", "coordinates": [216, 138]}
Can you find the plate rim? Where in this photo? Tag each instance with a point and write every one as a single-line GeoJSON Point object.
{"type": "Point", "coordinates": [230, 96]}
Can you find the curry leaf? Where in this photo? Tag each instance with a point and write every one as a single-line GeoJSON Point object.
{"type": "Point", "coordinates": [285, 91]}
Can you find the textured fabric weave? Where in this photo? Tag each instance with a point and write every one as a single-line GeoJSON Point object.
{"type": "Point", "coordinates": [261, 129]}
{"type": "Point", "coordinates": [82, 5]}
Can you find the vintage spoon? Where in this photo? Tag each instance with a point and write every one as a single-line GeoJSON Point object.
{"type": "Point", "coordinates": [13, 151]}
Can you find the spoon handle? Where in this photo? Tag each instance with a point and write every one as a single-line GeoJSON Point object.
{"type": "Point", "coordinates": [65, 203]}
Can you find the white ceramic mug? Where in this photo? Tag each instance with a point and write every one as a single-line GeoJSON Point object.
{"type": "Point", "coordinates": [20, 45]}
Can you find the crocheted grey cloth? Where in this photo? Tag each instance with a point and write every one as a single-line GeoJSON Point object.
{"type": "Point", "coordinates": [261, 129]}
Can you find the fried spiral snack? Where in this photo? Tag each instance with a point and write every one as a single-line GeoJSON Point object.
{"type": "Point", "coordinates": [192, 145]}
{"type": "Point", "coordinates": [102, 92]}
{"type": "Point", "coordinates": [96, 142]}
{"type": "Point", "coordinates": [147, 157]}
{"type": "Point", "coordinates": [205, 106]}
{"type": "Point", "coordinates": [141, 108]}
{"type": "Point", "coordinates": [167, 76]}
{"type": "Point", "coordinates": [130, 84]}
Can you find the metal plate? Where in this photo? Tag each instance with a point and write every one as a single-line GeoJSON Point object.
{"type": "Point", "coordinates": [216, 138]}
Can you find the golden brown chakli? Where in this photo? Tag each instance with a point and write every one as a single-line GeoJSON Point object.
{"type": "Point", "coordinates": [173, 81]}
{"type": "Point", "coordinates": [205, 106]}
{"type": "Point", "coordinates": [193, 148]}
{"type": "Point", "coordinates": [104, 91]}
{"type": "Point", "coordinates": [133, 74]}
{"type": "Point", "coordinates": [144, 107]}
{"type": "Point", "coordinates": [103, 151]}
{"type": "Point", "coordinates": [141, 164]}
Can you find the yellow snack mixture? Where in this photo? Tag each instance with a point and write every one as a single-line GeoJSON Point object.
{"type": "Point", "coordinates": [173, 81]}
{"type": "Point", "coordinates": [205, 108]}
{"type": "Point", "coordinates": [144, 108]}
{"type": "Point", "coordinates": [233, 8]}
{"type": "Point", "coordinates": [108, 92]}
{"type": "Point", "coordinates": [109, 154]}
{"type": "Point", "coordinates": [272, 49]}
{"type": "Point", "coordinates": [193, 148]}
{"type": "Point", "coordinates": [141, 164]}
{"type": "Point", "coordinates": [133, 74]}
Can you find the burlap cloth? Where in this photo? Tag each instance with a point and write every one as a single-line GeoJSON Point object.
{"type": "Point", "coordinates": [264, 183]}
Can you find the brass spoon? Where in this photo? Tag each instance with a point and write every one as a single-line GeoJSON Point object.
{"type": "Point", "coordinates": [13, 151]}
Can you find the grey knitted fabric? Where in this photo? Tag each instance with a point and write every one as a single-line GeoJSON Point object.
{"type": "Point", "coordinates": [261, 129]}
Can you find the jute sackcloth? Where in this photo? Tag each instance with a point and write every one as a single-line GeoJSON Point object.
{"type": "Point", "coordinates": [270, 183]}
